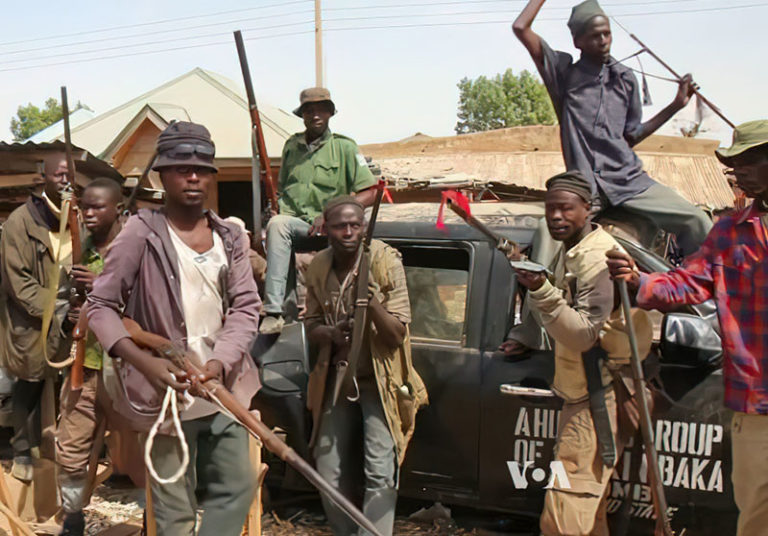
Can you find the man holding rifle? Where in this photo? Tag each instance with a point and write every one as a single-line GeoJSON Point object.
{"type": "Point", "coordinates": [31, 244]}
{"type": "Point", "coordinates": [184, 274]}
{"type": "Point", "coordinates": [374, 422]}
{"type": "Point", "coordinates": [591, 358]}
{"type": "Point", "coordinates": [317, 165]}
{"type": "Point", "coordinates": [731, 268]}
{"type": "Point", "coordinates": [82, 411]}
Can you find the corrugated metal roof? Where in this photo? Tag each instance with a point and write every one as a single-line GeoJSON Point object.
{"type": "Point", "coordinates": [21, 159]}
{"type": "Point", "coordinates": [528, 156]}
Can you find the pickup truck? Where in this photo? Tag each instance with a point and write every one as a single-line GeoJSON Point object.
{"type": "Point", "coordinates": [486, 439]}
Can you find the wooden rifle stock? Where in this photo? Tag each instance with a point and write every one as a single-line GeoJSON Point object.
{"type": "Point", "coordinates": [265, 170]}
{"type": "Point", "coordinates": [80, 331]}
{"type": "Point", "coordinates": [188, 362]}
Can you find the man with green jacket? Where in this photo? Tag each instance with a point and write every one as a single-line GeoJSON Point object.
{"type": "Point", "coordinates": [317, 166]}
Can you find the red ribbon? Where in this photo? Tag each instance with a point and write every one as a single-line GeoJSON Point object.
{"type": "Point", "coordinates": [454, 197]}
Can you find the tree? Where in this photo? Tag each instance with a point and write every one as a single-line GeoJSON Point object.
{"type": "Point", "coordinates": [30, 119]}
{"type": "Point", "coordinates": [505, 100]}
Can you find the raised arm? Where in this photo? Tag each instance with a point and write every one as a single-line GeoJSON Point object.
{"type": "Point", "coordinates": [684, 92]}
{"type": "Point", "coordinates": [523, 31]}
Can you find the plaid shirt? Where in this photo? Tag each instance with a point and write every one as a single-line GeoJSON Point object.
{"type": "Point", "coordinates": [730, 268]}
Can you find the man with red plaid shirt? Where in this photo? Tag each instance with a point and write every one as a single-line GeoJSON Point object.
{"type": "Point", "coordinates": [732, 268]}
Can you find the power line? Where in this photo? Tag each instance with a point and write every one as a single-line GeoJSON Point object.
{"type": "Point", "coordinates": [462, 23]}
{"type": "Point", "coordinates": [145, 52]}
{"type": "Point", "coordinates": [152, 23]}
{"type": "Point", "coordinates": [394, 26]}
{"type": "Point", "coordinates": [144, 34]}
{"type": "Point", "coordinates": [147, 43]}
{"type": "Point", "coordinates": [465, 2]}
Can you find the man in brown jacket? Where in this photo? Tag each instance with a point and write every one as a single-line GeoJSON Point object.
{"type": "Point", "coordinates": [378, 424]}
{"type": "Point", "coordinates": [183, 273]}
{"type": "Point", "coordinates": [30, 246]}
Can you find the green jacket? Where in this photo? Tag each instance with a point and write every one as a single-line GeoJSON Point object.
{"type": "Point", "coordinates": [310, 178]}
{"type": "Point", "coordinates": [26, 263]}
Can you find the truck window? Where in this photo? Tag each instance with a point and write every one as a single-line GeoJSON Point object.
{"type": "Point", "coordinates": [437, 281]}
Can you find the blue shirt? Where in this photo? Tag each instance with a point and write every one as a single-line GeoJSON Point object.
{"type": "Point", "coordinates": [599, 109]}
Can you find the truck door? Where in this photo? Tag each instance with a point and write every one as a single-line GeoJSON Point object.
{"type": "Point", "coordinates": [442, 456]}
{"type": "Point", "coordinates": [519, 411]}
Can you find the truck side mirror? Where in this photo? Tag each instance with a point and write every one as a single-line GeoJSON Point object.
{"type": "Point", "coordinates": [691, 340]}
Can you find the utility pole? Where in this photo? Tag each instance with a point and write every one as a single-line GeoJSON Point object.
{"type": "Point", "coordinates": [318, 44]}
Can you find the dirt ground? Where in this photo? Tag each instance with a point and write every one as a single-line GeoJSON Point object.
{"type": "Point", "coordinates": [117, 505]}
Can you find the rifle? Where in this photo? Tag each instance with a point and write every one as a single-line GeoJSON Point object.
{"type": "Point", "coordinates": [459, 204]}
{"type": "Point", "coordinates": [347, 368]}
{"type": "Point", "coordinates": [69, 212]}
{"type": "Point", "coordinates": [217, 393]}
{"type": "Point", "coordinates": [135, 192]}
{"type": "Point", "coordinates": [262, 166]}
{"type": "Point", "coordinates": [674, 73]}
{"type": "Point", "coordinates": [663, 526]}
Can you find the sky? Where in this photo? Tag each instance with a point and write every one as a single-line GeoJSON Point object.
{"type": "Point", "coordinates": [391, 65]}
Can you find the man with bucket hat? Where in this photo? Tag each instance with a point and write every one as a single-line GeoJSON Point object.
{"type": "Point", "coordinates": [183, 273]}
{"type": "Point", "coordinates": [731, 268]}
{"type": "Point", "coordinates": [317, 166]}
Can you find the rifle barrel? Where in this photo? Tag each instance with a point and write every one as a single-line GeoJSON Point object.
{"type": "Point", "coordinates": [646, 426]}
{"type": "Point", "coordinates": [674, 73]}
{"type": "Point", "coordinates": [261, 164]}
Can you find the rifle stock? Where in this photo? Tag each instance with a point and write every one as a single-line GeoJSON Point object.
{"type": "Point", "coordinates": [265, 170]}
{"type": "Point", "coordinates": [188, 362]}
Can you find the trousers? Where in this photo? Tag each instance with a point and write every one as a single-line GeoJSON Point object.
{"type": "Point", "coordinates": [749, 443]}
{"type": "Point", "coordinates": [281, 232]}
{"type": "Point", "coordinates": [354, 435]}
{"type": "Point", "coordinates": [27, 420]}
{"type": "Point", "coordinates": [219, 479]}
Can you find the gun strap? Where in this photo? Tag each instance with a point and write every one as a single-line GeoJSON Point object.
{"type": "Point", "coordinates": [597, 392]}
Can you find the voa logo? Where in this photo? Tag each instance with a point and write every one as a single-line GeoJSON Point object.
{"type": "Point", "coordinates": [524, 474]}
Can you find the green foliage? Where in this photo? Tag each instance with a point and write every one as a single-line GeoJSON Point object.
{"type": "Point", "coordinates": [30, 119]}
{"type": "Point", "coordinates": [505, 100]}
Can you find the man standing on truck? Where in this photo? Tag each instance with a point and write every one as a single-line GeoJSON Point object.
{"type": "Point", "coordinates": [731, 268]}
{"type": "Point", "coordinates": [597, 101]}
{"type": "Point", "coordinates": [317, 165]}
{"type": "Point", "coordinates": [375, 424]}
{"type": "Point", "coordinates": [591, 358]}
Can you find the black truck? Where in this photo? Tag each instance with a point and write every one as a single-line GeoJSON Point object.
{"type": "Point", "coordinates": [486, 439]}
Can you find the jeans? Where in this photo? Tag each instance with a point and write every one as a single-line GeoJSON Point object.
{"type": "Point", "coordinates": [281, 232]}
{"type": "Point", "coordinates": [354, 434]}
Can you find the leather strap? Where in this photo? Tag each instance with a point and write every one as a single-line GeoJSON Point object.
{"type": "Point", "coordinates": [602, 421]}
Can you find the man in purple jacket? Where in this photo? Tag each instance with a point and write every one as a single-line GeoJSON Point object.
{"type": "Point", "coordinates": [183, 273]}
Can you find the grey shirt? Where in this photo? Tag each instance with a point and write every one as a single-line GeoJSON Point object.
{"type": "Point", "coordinates": [598, 106]}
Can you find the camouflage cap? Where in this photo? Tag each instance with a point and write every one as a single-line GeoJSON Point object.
{"type": "Point", "coordinates": [314, 94]}
{"type": "Point", "coordinates": [746, 136]}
